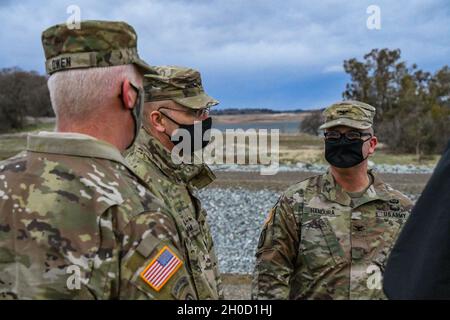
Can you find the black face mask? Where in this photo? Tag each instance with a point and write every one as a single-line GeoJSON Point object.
{"type": "Point", "coordinates": [136, 112]}
{"type": "Point", "coordinates": [204, 138]}
{"type": "Point", "coordinates": [344, 153]}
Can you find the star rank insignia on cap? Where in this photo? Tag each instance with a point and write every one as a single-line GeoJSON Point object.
{"type": "Point", "coordinates": [161, 269]}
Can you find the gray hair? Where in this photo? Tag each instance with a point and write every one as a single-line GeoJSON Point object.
{"type": "Point", "coordinates": [77, 93]}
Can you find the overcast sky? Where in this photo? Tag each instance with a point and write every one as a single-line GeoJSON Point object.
{"type": "Point", "coordinates": [252, 53]}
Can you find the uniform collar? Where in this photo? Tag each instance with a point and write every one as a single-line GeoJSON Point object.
{"type": "Point", "coordinates": [195, 175]}
{"type": "Point", "coordinates": [73, 144]}
{"type": "Point", "coordinates": [334, 192]}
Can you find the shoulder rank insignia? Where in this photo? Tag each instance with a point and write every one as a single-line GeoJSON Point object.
{"type": "Point", "coordinates": [161, 268]}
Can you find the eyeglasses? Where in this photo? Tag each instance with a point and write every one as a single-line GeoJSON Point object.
{"type": "Point", "coordinates": [335, 136]}
{"type": "Point", "coordinates": [200, 113]}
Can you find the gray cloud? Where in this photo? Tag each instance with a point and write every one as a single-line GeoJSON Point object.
{"type": "Point", "coordinates": [242, 41]}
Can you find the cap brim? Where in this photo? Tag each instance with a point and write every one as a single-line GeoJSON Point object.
{"type": "Point", "coordinates": [197, 102]}
{"type": "Point", "coordinates": [144, 66]}
{"type": "Point", "coordinates": [361, 125]}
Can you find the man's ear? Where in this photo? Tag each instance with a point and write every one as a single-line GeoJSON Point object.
{"type": "Point", "coordinates": [156, 121]}
{"type": "Point", "coordinates": [128, 95]}
{"type": "Point", "coordinates": [373, 144]}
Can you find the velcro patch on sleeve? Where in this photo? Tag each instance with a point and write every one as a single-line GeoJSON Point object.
{"type": "Point", "coordinates": [269, 217]}
{"type": "Point", "coordinates": [161, 268]}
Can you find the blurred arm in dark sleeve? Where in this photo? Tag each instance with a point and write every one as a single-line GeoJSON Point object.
{"type": "Point", "coordinates": [419, 264]}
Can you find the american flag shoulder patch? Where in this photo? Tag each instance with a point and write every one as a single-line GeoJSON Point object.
{"type": "Point", "coordinates": [161, 268]}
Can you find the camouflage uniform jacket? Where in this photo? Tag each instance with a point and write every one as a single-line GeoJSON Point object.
{"type": "Point", "coordinates": [175, 185]}
{"type": "Point", "coordinates": [320, 243]}
{"type": "Point", "coordinates": [75, 223]}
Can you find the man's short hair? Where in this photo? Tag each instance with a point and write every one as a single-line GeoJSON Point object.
{"type": "Point", "coordinates": [79, 92]}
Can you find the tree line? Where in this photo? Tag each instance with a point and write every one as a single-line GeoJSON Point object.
{"type": "Point", "coordinates": [413, 106]}
{"type": "Point", "coordinates": [22, 94]}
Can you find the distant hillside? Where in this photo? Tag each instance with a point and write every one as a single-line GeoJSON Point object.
{"type": "Point", "coordinates": [236, 111]}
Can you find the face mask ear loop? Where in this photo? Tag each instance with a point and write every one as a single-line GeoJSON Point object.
{"type": "Point", "coordinates": [371, 136]}
{"type": "Point", "coordinates": [165, 115]}
{"type": "Point", "coordinates": [170, 118]}
{"type": "Point", "coordinates": [137, 116]}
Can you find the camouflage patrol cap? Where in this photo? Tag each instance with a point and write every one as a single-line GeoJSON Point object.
{"type": "Point", "coordinates": [353, 114]}
{"type": "Point", "coordinates": [94, 44]}
{"type": "Point", "coordinates": [180, 84]}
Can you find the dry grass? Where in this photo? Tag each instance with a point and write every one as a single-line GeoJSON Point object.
{"type": "Point", "coordinates": [11, 146]}
{"type": "Point", "coordinates": [309, 149]}
{"type": "Point", "coordinates": [13, 143]}
{"type": "Point", "coordinates": [293, 148]}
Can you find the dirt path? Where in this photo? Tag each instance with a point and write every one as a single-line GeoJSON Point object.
{"type": "Point", "coordinates": [407, 183]}
{"type": "Point", "coordinates": [236, 286]}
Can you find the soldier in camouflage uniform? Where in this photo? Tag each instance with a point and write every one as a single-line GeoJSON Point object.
{"type": "Point", "coordinates": [75, 222]}
{"type": "Point", "coordinates": [175, 97]}
{"type": "Point", "coordinates": [328, 237]}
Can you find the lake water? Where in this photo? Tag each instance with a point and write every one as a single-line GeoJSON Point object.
{"type": "Point", "coordinates": [283, 126]}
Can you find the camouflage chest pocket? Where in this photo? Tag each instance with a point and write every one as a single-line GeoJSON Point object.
{"type": "Point", "coordinates": [320, 249]}
{"type": "Point", "coordinates": [389, 224]}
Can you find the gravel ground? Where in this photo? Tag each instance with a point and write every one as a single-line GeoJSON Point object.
{"type": "Point", "coordinates": [236, 216]}
{"type": "Point", "coordinates": [306, 167]}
